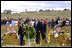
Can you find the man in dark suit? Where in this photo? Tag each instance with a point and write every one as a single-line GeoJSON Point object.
{"type": "Point", "coordinates": [36, 26]}
{"type": "Point", "coordinates": [43, 29]}
{"type": "Point", "coordinates": [26, 21]}
{"type": "Point", "coordinates": [64, 22]}
{"type": "Point", "coordinates": [52, 23]}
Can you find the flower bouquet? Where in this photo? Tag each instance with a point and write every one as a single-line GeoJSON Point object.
{"type": "Point", "coordinates": [29, 29]}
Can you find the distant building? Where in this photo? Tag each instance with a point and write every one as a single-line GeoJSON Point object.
{"type": "Point", "coordinates": [32, 12]}
{"type": "Point", "coordinates": [14, 12]}
{"type": "Point", "coordinates": [7, 12]}
{"type": "Point", "coordinates": [22, 12]}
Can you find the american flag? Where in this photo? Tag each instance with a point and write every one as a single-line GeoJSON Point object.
{"type": "Point", "coordinates": [58, 29]}
{"type": "Point", "coordinates": [13, 31]}
{"type": "Point", "coordinates": [8, 30]}
{"type": "Point", "coordinates": [51, 31]}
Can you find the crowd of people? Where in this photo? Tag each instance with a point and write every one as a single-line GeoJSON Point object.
{"type": "Point", "coordinates": [40, 25]}
{"type": "Point", "coordinates": [50, 22]}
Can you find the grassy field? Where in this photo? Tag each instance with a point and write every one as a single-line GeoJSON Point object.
{"type": "Point", "coordinates": [50, 15]}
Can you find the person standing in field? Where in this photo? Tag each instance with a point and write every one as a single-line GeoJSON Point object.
{"type": "Point", "coordinates": [36, 26]}
{"type": "Point", "coordinates": [64, 22]}
{"type": "Point", "coordinates": [13, 22]}
{"type": "Point", "coordinates": [58, 18]}
{"type": "Point", "coordinates": [67, 22]}
{"type": "Point", "coordinates": [20, 26]}
{"type": "Point", "coordinates": [1, 21]}
{"type": "Point", "coordinates": [27, 20]}
{"type": "Point", "coordinates": [32, 22]}
{"type": "Point", "coordinates": [52, 23]}
{"type": "Point", "coordinates": [42, 29]}
{"type": "Point", "coordinates": [49, 23]}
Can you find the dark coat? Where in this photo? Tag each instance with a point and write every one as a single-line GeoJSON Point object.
{"type": "Point", "coordinates": [36, 26]}
{"type": "Point", "coordinates": [26, 21]}
{"type": "Point", "coordinates": [37, 32]}
{"type": "Point", "coordinates": [43, 28]}
{"type": "Point", "coordinates": [52, 23]}
{"type": "Point", "coordinates": [1, 22]}
{"type": "Point", "coordinates": [56, 22]}
{"type": "Point", "coordinates": [63, 23]}
{"type": "Point", "coordinates": [20, 31]}
{"type": "Point", "coordinates": [20, 28]}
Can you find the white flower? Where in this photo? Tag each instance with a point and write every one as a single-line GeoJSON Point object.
{"type": "Point", "coordinates": [10, 24]}
{"type": "Point", "coordinates": [56, 35]}
{"type": "Point", "coordinates": [54, 31]}
{"type": "Point", "coordinates": [62, 44]}
{"type": "Point", "coordinates": [67, 33]}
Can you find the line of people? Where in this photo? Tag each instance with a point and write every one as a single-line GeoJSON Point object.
{"type": "Point", "coordinates": [40, 26]}
{"type": "Point", "coordinates": [50, 22]}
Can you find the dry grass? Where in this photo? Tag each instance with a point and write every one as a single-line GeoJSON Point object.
{"type": "Point", "coordinates": [51, 14]}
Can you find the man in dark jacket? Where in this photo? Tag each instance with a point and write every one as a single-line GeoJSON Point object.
{"type": "Point", "coordinates": [36, 26]}
{"type": "Point", "coordinates": [64, 22]}
{"type": "Point", "coordinates": [26, 21]}
{"type": "Point", "coordinates": [20, 26]}
{"type": "Point", "coordinates": [56, 22]}
{"type": "Point", "coordinates": [52, 24]}
{"type": "Point", "coordinates": [43, 29]}
{"type": "Point", "coordinates": [1, 22]}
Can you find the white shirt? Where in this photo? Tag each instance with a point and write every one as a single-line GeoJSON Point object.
{"type": "Point", "coordinates": [56, 35]}
{"type": "Point", "coordinates": [67, 22]}
{"type": "Point", "coordinates": [16, 22]}
{"type": "Point", "coordinates": [32, 23]}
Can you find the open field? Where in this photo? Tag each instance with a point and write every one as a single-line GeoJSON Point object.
{"type": "Point", "coordinates": [51, 14]}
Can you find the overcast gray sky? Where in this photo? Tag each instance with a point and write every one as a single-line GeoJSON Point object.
{"type": "Point", "coordinates": [34, 5]}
